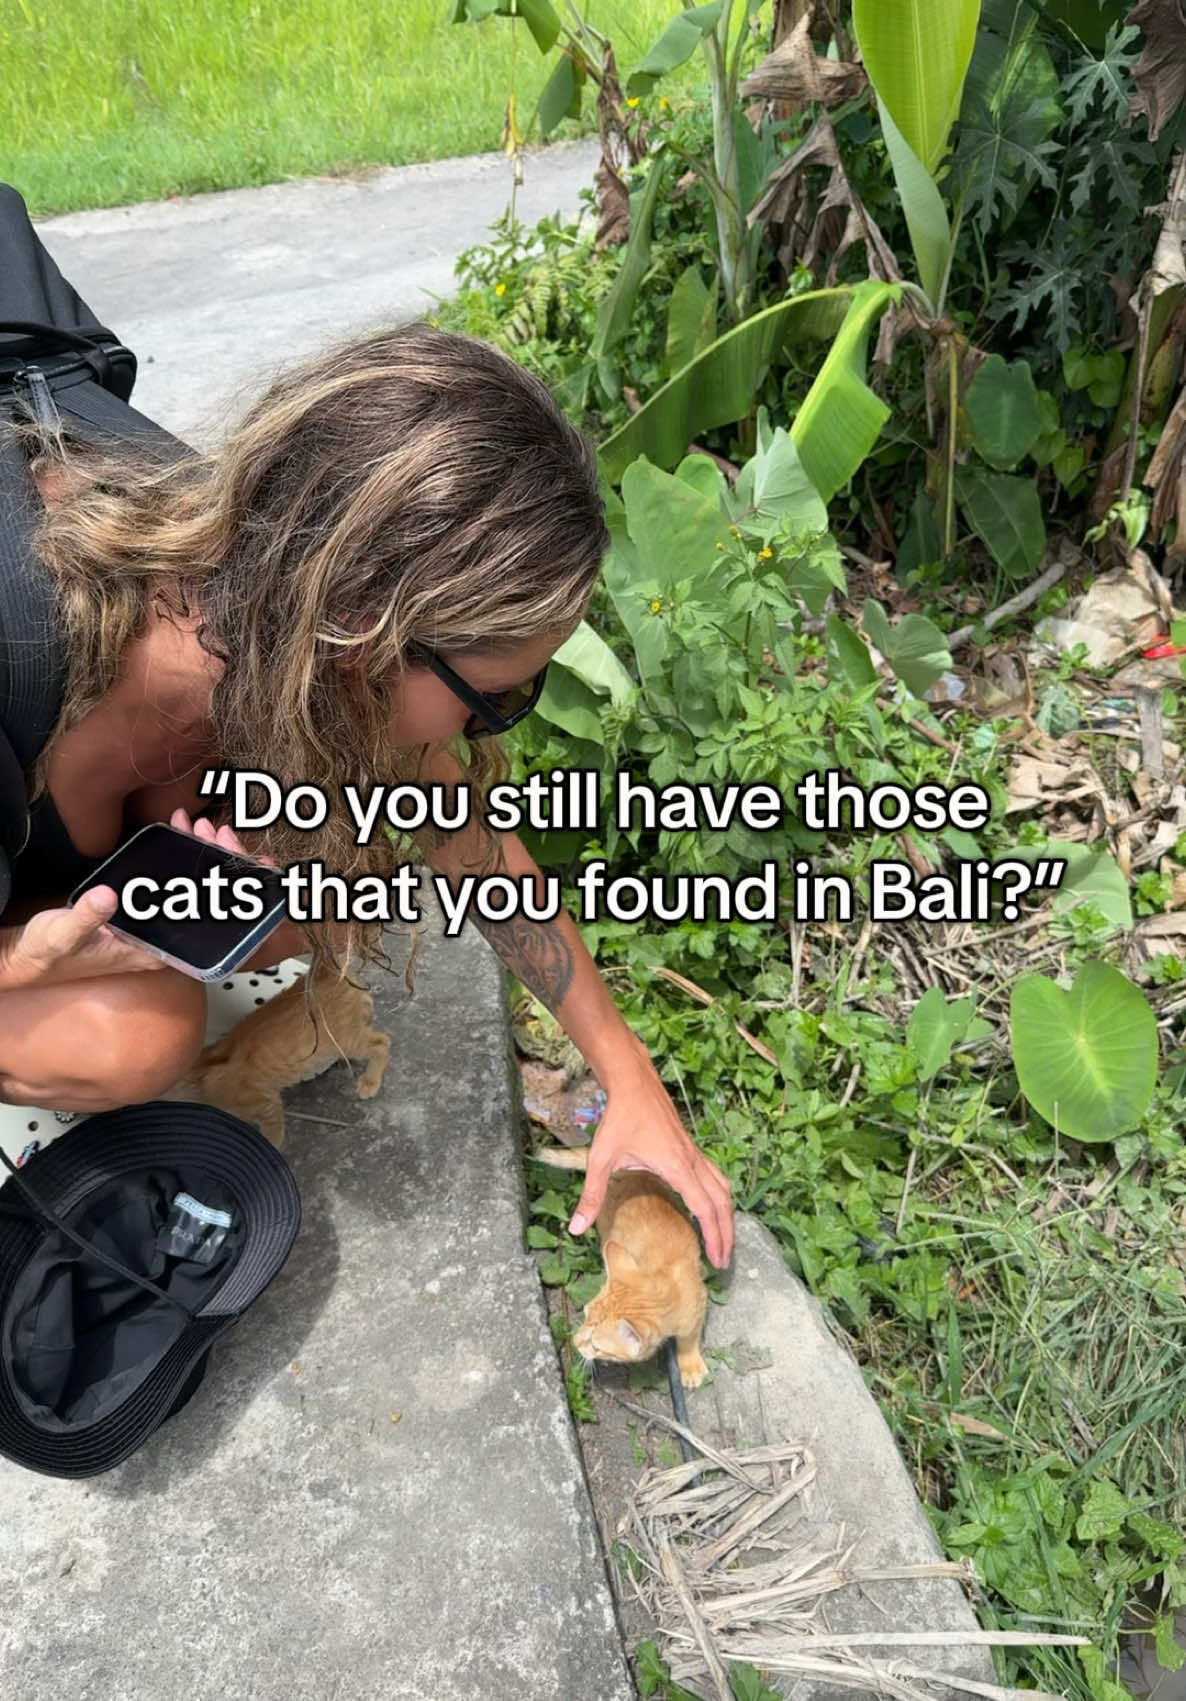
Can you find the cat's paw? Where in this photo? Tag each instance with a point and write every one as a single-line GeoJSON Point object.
{"type": "Point", "coordinates": [692, 1370]}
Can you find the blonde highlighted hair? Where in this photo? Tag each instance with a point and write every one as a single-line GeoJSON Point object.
{"type": "Point", "coordinates": [408, 491]}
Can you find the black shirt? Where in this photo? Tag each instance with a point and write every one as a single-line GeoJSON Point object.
{"type": "Point", "coordinates": [32, 679]}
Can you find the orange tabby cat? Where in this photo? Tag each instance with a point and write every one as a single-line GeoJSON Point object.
{"type": "Point", "coordinates": [653, 1286]}
{"type": "Point", "coordinates": [278, 1044]}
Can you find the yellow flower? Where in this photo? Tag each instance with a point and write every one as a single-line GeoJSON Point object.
{"type": "Point", "coordinates": [631, 100]}
{"type": "Point", "coordinates": [656, 606]}
{"type": "Point", "coordinates": [500, 289]}
{"type": "Point", "coordinates": [663, 102]}
{"type": "Point", "coordinates": [734, 532]}
{"type": "Point", "coordinates": [765, 554]}
{"type": "Point", "coordinates": [720, 546]}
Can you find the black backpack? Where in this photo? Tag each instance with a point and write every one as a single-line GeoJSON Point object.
{"type": "Point", "coordinates": [58, 361]}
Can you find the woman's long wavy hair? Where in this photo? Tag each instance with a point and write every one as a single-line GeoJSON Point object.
{"type": "Point", "coordinates": [406, 491]}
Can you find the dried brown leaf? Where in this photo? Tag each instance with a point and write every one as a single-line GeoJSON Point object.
{"type": "Point", "coordinates": [1160, 74]}
{"type": "Point", "coordinates": [796, 72]}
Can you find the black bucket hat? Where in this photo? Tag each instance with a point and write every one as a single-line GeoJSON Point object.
{"type": "Point", "coordinates": [126, 1248]}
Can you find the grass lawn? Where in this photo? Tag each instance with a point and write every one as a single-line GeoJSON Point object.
{"type": "Point", "coordinates": [132, 100]}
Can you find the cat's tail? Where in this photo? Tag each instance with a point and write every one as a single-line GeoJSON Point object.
{"type": "Point", "coordinates": [564, 1157]}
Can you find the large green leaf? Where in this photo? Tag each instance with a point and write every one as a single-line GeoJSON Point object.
{"type": "Point", "coordinates": [1086, 1059]}
{"type": "Point", "coordinates": [538, 15]}
{"type": "Point", "coordinates": [665, 536]}
{"type": "Point", "coordinates": [773, 485]}
{"type": "Point", "coordinates": [587, 655]}
{"type": "Point", "coordinates": [561, 94]}
{"type": "Point", "coordinates": [840, 418]}
{"type": "Point", "coordinates": [848, 656]}
{"type": "Point", "coordinates": [937, 1026]}
{"type": "Point", "coordinates": [1005, 414]}
{"type": "Point", "coordinates": [926, 216]}
{"type": "Point", "coordinates": [1092, 876]}
{"type": "Point", "coordinates": [915, 648]}
{"type": "Point", "coordinates": [1006, 515]}
{"type": "Point", "coordinates": [675, 529]}
{"type": "Point", "coordinates": [917, 54]}
{"type": "Point", "coordinates": [719, 386]}
{"type": "Point", "coordinates": [568, 703]}
{"type": "Point", "coordinates": [675, 46]}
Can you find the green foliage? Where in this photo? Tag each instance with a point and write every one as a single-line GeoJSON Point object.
{"type": "Point", "coordinates": [916, 53]}
{"type": "Point", "coordinates": [1087, 1058]}
{"type": "Point", "coordinates": [1006, 515]}
{"type": "Point", "coordinates": [1010, 114]}
{"type": "Point", "coordinates": [914, 648]}
{"type": "Point", "coordinates": [719, 385]}
{"type": "Point", "coordinates": [538, 15]}
{"type": "Point", "coordinates": [1056, 177]}
{"type": "Point", "coordinates": [916, 1201]}
{"type": "Point", "coordinates": [682, 36]}
{"type": "Point", "coordinates": [1003, 407]}
{"type": "Point", "coordinates": [938, 1025]}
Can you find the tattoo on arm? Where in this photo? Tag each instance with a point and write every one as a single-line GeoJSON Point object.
{"type": "Point", "coordinates": [536, 952]}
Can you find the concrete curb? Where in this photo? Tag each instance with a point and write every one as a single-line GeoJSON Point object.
{"type": "Point", "coordinates": [795, 1380]}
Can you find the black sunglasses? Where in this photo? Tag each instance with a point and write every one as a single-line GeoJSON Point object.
{"type": "Point", "coordinates": [496, 713]}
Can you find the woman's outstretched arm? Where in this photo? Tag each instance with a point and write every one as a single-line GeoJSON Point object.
{"type": "Point", "coordinates": [641, 1128]}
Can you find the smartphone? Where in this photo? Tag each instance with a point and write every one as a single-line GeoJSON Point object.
{"type": "Point", "coordinates": [196, 906]}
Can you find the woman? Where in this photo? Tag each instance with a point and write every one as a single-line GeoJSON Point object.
{"type": "Point", "coordinates": [397, 525]}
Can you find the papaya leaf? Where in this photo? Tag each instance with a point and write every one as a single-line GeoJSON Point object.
{"type": "Point", "coordinates": [1010, 113]}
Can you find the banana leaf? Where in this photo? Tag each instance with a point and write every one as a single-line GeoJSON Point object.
{"type": "Point", "coordinates": [719, 386]}
{"type": "Point", "coordinates": [675, 46]}
{"type": "Point", "coordinates": [840, 418]}
{"type": "Point", "coordinates": [926, 216]}
{"type": "Point", "coordinates": [917, 54]}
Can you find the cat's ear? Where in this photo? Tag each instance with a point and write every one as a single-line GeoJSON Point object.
{"type": "Point", "coordinates": [619, 1260]}
{"type": "Point", "coordinates": [630, 1338]}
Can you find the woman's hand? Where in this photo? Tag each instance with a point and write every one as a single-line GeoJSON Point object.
{"type": "Point", "coordinates": [72, 943]}
{"type": "Point", "coordinates": [642, 1130]}
{"type": "Point", "coordinates": [222, 836]}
